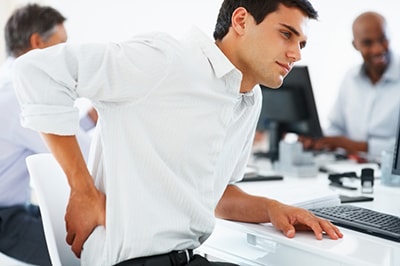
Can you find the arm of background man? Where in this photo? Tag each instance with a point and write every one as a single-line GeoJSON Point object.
{"type": "Point", "coordinates": [86, 206]}
{"type": "Point", "coordinates": [332, 143]}
{"type": "Point", "coordinates": [237, 205]}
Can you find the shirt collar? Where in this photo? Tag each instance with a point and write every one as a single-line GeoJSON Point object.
{"type": "Point", "coordinates": [393, 70]}
{"type": "Point", "coordinates": [219, 62]}
{"type": "Point", "coordinates": [222, 67]}
{"type": "Point", "coordinates": [391, 73]}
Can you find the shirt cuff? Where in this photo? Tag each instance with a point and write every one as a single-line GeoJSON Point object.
{"type": "Point", "coordinates": [377, 145]}
{"type": "Point", "coordinates": [86, 123]}
{"type": "Point", "coordinates": [59, 120]}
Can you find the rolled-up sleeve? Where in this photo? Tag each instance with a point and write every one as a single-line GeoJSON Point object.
{"type": "Point", "coordinates": [48, 81]}
{"type": "Point", "coordinates": [42, 96]}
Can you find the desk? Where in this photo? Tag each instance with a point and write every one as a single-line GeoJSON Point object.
{"type": "Point", "coordinates": [261, 244]}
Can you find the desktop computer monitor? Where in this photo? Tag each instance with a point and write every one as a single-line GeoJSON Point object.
{"type": "Point", "coordinates": [396, 152]}
{"type": "Point", "coordinates": [290, 108]}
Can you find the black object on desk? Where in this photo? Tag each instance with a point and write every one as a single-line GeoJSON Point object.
{"type": "Point", "coordinates": [341, 185]}
{"type": "Point", "coordinates": [351, 199]}
{"type": "Point", "coordinates": [367, 180]}
{"type": "Point", "coordinates": [262, 178]}
{"type": "Point", "coordinates": [337, 180]}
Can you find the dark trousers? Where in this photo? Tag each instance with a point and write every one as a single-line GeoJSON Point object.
{"type": "Point", "coordinates": [22, 236]}
{"type": "Point", "coordinates": [201, 261]}
{"type": "Point", "coordinates": [171, 259]}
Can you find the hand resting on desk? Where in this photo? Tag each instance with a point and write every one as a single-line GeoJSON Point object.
{"type": "Point", "coordinates": [332, 143]}
{"type": "Point", "coordinates": [237, 205]}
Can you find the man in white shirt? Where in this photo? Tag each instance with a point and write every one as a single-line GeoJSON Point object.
{"type": "Point", "coordinates": [175, 131]}
{"type": "Point", "coordinates": [21, 230]}
{"type": "Point", "coordinates": [364, 117]}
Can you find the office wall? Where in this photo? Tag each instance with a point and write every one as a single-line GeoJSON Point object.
{"type": "Point", "coordinates": [328, 54]}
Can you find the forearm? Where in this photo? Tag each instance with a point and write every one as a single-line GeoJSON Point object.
{"type": "Point", "coordinates": [355, 146]}
{"type": "Point", "coordinates": [86, 207]}
{"type": "Point", "coordinates": [237, 205]}
{"type": "Point", "coordinates": [345, 143]}
{"type": "Point", "coordinates": [68, 154]}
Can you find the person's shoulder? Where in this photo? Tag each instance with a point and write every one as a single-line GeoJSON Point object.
{"type": "Point", "coordinates": [395, 58]}
{"type": "Point", "coordinates": [155, 38]}
{"type": "Point", "coordinates": [5, 71]}
{"type": "Point", "coordinates": [354, 70]}
{"type": "Point", "coordinates": [352, 73]}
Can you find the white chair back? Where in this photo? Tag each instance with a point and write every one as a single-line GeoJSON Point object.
{"type": "Point", "coordinates": [8, 261]}
{"type": "Point", "coordinates": [52, 192]}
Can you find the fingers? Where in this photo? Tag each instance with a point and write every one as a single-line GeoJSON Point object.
{"type": "Point", "coordinates": [287, 228]}
{"type": "Point", "coordinates": [70, 238]}
{"type": "Point", "coordinates": [85, 211]}
{"type": "Point", "coordinates": [323, 227]}
{"type": "Point", "coordinates": [331, 230]}
{"type": "Point", "coordinates": [76, 239]}
{"type": "Point", "coordinates": [77, 246]}
{"type": "Point", "coordinates": [303, 220]}
{"type": "Point", "coordinates": [289, 232]}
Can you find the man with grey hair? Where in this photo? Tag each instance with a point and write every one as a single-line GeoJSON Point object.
{"type": "Point", "coordinates": [21, 231]}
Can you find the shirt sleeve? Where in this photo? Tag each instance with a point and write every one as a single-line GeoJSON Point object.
{"type": "Point", "coordinates": [336, 120]}
{"type": "Point", "coordinates": [48, 81]}
{"type": "Point", "coordinates": [86, 123]}
{"type": "Point", "coordinates": [377, 145]}
{"type": "Point", "coordinates": [240, 167]}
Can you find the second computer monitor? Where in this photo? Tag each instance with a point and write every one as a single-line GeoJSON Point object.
{"type": "Point", "coordinates": [396, 152]}
{"type": "Point", "coordinates": [290, 108]}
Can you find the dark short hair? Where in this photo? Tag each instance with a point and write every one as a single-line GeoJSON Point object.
{"type": "Point", "coordinates": [259, 9]}
{"type": "Point", "coordinates": [27, 20]}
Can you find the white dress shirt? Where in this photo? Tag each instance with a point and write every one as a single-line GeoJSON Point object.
{"type": "Point", "coordinates": [173, 131]}
{"type": "Point", "coordinates": [16, 143]}
{"type": "Point", "coordinates": [368, 112]}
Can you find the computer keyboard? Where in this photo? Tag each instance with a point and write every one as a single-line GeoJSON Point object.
{"type": "Point", "coordinates": [363, 220]}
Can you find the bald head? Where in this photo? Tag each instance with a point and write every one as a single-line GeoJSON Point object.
{"type": "Point", "coordinates": [371, 40]}
{"type": "Point", "coordinates": [368, 22]}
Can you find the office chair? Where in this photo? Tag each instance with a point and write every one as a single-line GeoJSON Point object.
{"type": "Point", "coordinates": [52, 192]}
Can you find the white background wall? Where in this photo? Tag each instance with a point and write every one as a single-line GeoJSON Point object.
{"type": "Point", "coordinates": [328, 54]}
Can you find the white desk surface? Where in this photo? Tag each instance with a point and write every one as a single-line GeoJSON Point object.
{"type": "Point", "coordinates": [262, 244]}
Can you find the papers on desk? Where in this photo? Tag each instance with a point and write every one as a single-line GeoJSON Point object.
{"type": "Point", "coordinates": [297, 194]}
{"type": "Point", "coordinates": [250, 171]}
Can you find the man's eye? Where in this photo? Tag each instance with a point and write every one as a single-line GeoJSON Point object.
{"type": "Point", "coordinates": [367, 43]}
{"type": "Point", "coordinates": [286, 34]}
{"type": "Point", "coordinates": [383, 40]}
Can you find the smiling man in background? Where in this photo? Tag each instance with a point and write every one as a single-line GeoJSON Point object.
{"type": "Point", "coordinates": [21, 232]}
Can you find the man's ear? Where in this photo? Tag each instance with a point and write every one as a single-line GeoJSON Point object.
{"type": "Point", "coordinates": [354, 45]}
{"type": "Point", "coordinates": [239, 17]}
{"type": "Point", "coordinates": [36, 41]}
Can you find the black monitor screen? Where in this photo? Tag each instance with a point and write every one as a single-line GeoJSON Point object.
{"type": "Point", "coordinates": [290, 108]}
{"type": "Point", "coordinates": [396, 152]}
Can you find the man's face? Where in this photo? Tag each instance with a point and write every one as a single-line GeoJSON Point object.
{"type": "Point", "coordinates": [270, 48]}
{"type": "Point", "coordinates": [371, 41]}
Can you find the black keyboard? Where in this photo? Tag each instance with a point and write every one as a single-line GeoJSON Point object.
{"type": "Point", "coordinates": [363, 220]}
